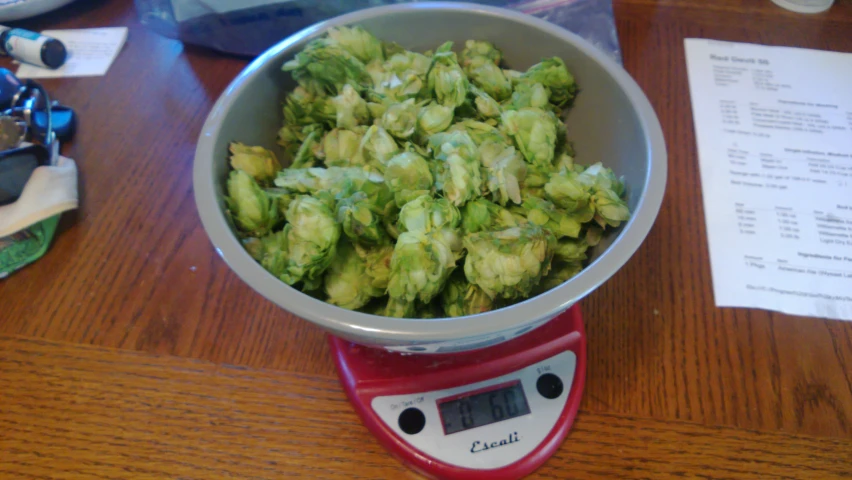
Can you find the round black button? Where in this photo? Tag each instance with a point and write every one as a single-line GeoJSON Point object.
{"type": "Point", "coordinates": [549, 386]}
{"type": "Point", "coordinates": [412, 421]}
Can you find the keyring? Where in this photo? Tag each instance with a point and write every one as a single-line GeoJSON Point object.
{"type": "Point", "coordinates": [23, 107]}
{"type": "Point", "coordinates": [13, 131]}
{"type": "Point", "coordinates": [18, 164]}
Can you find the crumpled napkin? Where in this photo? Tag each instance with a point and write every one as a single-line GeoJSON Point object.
{"type": "Point", "coordinates": [51, 189]}
{"type": "Point", "coordinates": [24, 234]}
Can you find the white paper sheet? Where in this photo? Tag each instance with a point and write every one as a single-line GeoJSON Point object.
{"type": "Point", "coordinates": [91, 51]}
{"type": "Point", "coordinates": [774, 131]}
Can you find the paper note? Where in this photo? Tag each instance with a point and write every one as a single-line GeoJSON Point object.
{"type": "Point", "coordinates": [91, 51]}
{"type": "Point", "coordinates": [774, 131]}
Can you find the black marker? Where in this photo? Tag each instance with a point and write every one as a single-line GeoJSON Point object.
{"type": "Point", "coordinates": [31, 47]}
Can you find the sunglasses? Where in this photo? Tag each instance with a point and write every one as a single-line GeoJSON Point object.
{"type": "Point", "coordinates": [16, 168]}
{"type": "Point", "coordinates": [27, 114]}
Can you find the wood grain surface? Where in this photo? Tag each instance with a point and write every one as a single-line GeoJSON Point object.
{"type": "Point", "coordinates": [102, 413]}
{"type": "Point", "coordinates": [131, 351]}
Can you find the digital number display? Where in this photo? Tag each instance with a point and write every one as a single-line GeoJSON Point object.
{"type": "Point", "coordinates": [463, 413]}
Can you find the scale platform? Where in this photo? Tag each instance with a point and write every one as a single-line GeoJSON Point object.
{"type": "Point", "coordinates": [495, 413]}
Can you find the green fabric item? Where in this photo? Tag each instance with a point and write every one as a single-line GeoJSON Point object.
{"type": "Point", "coordinates": [28, 245]}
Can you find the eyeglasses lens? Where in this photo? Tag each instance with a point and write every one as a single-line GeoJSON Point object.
{"type": "Point", "coordinates": [15, 171]}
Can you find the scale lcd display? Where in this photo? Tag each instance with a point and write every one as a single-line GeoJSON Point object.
{"type": "Point", "coordinates": [483, 408]}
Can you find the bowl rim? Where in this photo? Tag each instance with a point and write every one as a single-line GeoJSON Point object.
{"type": "Point", "coordinates": [408, 331]}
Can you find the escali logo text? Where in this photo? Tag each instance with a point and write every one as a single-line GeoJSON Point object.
{"type": "Point", "coordinates": [483, 446]}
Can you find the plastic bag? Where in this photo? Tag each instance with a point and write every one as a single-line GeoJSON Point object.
{"type": "Point", "coordinates": [248, 27]}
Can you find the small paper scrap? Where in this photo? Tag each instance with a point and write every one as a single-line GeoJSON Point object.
{"type": "Point", "coordinates": [91, 51]}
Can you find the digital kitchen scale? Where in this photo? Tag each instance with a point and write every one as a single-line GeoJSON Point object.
{"type": "Point", "coordinates": [496, 413]}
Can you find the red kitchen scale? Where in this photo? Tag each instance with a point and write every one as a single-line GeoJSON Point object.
{"type": "Point", "coordinates": [494, 413]}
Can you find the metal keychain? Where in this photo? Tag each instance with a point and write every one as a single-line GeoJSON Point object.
{"type": "Point", "coordinates": [12, 132]}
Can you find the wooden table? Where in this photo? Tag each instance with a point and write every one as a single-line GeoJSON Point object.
{"type": "Point", "coordinates": [131, 351]}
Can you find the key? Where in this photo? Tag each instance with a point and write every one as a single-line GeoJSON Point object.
{"type": "Point", "coordinates": [12, 132]}
{"type": "Point", "coordinates": [9, 87]}
{"type": "Point", "coordinates": [63, 122]}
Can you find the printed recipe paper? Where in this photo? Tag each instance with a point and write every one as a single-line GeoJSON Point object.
{"type": "Point", "coordinates": [774, 132]}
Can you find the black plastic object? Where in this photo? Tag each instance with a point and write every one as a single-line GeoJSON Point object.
{"type": "Point", "coordinates": [16, 167]}
{"type": "Point", "coordinates": [249, 28]}
{"type": "Point", "coordinates": [549, 386]}
{"type": "Point", "coordinates": [9, 86]}
{"type": "Point", "coordinates": [63, 122]}
{"type": "Point", "coordinates": [53, 53]}
{"type": "Point", "coordinates": [412, 421]}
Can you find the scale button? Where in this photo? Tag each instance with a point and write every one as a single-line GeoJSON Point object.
{"type": "Point", "coordinates": [549, 386]}
{"type": "Point", "coordinates": [412, 420]}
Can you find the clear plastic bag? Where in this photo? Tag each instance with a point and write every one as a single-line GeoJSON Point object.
{"type": "Point", "coordinates": [248, 27]}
